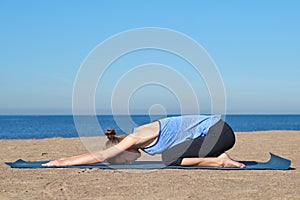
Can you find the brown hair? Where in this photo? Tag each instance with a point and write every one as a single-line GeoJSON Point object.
{"type": "Point", "coordinates": [112, 140]}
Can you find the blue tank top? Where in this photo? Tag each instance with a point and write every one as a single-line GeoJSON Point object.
{"type": "Point", "coordinates": [175, 130]}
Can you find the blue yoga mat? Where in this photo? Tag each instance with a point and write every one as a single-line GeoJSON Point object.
{"type": "Point", "coordinates": [275, 163]}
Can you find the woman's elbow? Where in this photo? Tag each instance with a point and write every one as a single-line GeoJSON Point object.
{"type": "Point", "coordinates": [98, 157]}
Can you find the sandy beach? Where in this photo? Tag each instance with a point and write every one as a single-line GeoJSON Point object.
{"type": "Point", "coordinates": [152, 184]}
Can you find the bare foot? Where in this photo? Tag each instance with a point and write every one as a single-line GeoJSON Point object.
{"type": "Point", "coordinates": [226, 161]}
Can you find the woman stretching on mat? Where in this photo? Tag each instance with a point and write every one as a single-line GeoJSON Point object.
{"type": "Point", "coordinates": [191, 140]}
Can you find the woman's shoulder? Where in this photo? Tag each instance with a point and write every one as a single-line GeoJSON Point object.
{"type": "Point", "coordinates": [146, 132]}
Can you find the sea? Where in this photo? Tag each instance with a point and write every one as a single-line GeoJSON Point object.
{"type": "Point", "coordinates": [49, 126]}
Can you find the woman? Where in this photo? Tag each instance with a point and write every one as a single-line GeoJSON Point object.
{"type": "Point", "coordinates": [191, 140]}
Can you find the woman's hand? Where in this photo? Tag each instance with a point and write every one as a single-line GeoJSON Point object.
{"type": "Point", "coordinates": [76, 160]}
{"type": "Point", "coordinates": [56, 163]}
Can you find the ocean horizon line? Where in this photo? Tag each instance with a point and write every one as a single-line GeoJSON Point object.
{"type": "Point", "coordinates": [147, 114]}
{"type": "Point", "coordinates": [45, 126]}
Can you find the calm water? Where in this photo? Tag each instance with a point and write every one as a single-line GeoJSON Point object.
{"type": "Point", "coordinates": [27, 127]}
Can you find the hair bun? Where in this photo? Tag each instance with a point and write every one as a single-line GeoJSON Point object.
{"type": "Point", "coordinates": [110, 133]}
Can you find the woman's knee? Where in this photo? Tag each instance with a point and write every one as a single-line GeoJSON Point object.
{"type": "Point", "coordinates": [166, 159]}
{"type": "Point", "coordinates": [171, 160]}
{"type": "Point", "coordinates": [187, 148]}
{"type": "Point", "coordinates": [169, 157]}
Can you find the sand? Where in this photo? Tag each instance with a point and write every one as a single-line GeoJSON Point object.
{"type": "Point", "coordinates": [153, 184]}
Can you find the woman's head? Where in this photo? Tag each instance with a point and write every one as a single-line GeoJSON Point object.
{"type": "Point", "coordinates": [126, 157]}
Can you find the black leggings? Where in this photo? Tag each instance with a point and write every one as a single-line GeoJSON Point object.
{"type": "Point", "coordinates": [219, 139]}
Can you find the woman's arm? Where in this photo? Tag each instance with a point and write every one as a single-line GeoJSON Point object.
{"type": "Point", "coordinates": [94, 157]}
{"type": "Point", "coordinates": [87, 158]}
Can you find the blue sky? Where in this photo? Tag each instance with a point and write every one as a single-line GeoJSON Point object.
{"type": "Point", "coordinates": [255, 45]}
